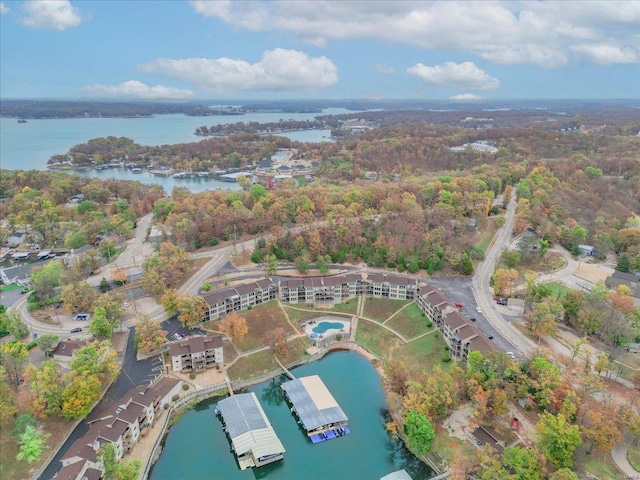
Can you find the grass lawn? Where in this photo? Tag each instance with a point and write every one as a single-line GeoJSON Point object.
{"type": "Point", "coordinates": [483, 240]}
{"type": "Point", "coordinates": [299, 316]}
{"type": "Point", "coordinates": [260, 320]}
{"type": "Point", "coordinates": [634, 457]}
{"type": "Point", "coordinates": [13, 286]}
{"type": "Point", "coordinates": [600, 466]}
{"type": "Point", "coordinates": [375, 338]}
{"type": "Point", "coordinates": [297, 350]}
{"type": "Point", "coordinates": [252, 366]}
{"type": "Point", "coordinates": [350, 306]}
{"type": "Point", "coordinates": [557, 291]}
{"type": "Point", "coordinates": [410, 322]}
{"type": "Point", "coordinates": [379, 309]}
{"type": "Point", "coordinates": [458, 454]}
{"type": "Point", "coordinates": [422, 353]}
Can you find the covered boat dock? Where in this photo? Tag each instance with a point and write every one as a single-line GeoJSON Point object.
{"type": "Point", "coordinates": [319, 413]}
{"type": "Point", "coordinates": [253, 439]}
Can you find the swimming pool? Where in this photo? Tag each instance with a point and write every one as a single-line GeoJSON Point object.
{"type": "Point", "coordinates": [322, 327]}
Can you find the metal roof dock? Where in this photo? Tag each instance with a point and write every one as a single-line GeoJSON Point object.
{"type": "Point", "coordinates": [253, 439]}
{"type": "Point", "coordinates": [320, 414]}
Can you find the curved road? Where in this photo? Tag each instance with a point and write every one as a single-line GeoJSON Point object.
{"type": "Point", "coordinates": [483, 292]}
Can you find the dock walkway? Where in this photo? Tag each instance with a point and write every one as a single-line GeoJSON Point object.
{"type": "Point", "coordinates": [284, 369]}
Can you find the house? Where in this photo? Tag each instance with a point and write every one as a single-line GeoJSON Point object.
{"type": "Point", "coordinates": [65, 350]}
{"type": "Point", "coordinates": [196, 353]}
{"type": "Point", "coordinates": [587, 250]}
{"type": "Point", "coordinates": [19, 274]}
{"type": "Point", "coordinates": [631, 280]}
{"type": "Point", "coordinates": [488, 436]}
{"type": "Point", "coordinates": [15, 239]}
{"type": "Point", "coordinates": [159, 233]}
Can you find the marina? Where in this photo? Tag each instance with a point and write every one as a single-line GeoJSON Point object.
{"type": "Point", "coordinates": [319, 413]}
{"type": "Point", "coordinates": [252, 437]}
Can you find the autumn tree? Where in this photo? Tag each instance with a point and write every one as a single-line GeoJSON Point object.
{"type": "Point", "coordinates": [80, 394]}
{"type": "Point", "coordinates": [117, 470]}
{"type": "Point", "coordinates": [113, 303]}
{"type": "Point", "coordinates": [419, 431]}
{"type": "Point", "coordinates": [79, 297]}
{"type": "Point", "coordinates": [166, 268]}
{"type": "Point", "coordinates": [503, 281]}
{"type": "Point", "coordinates": [46, 281]}
{"type": "Point", "coordinates": [7, 399]}
{"type": "Point", "coordinates": [277, 341]}
{"type": "Point", "coordinates": [119, 276]}
{"type": "Point", "coordinates": [191, 309]}
{"type": "Point", "coordinates": [396, 377]}
{"type": "Point", "coordinates": [169, 301]}
{"type": "Point", "coordinates": [14, 357]}
{"type": "Point", "coordinates": [563, 474]}
{"type": "Point", "coordinates": [149, 333]}
{"type": "Point", "coordinates": [97, 358]}
{"type": "Point", "coordinates": [234, 326]}
{"type": "Point", "coordinates": [558, 439]}
{"type": "Point", "coordinates": [15, 326]}
{"type": "Point", "coordinates": [271, 264]}
{"type": "Point", "coordinates": [45, 385]}
{"type": "Point", "coordinates": [541, 319]}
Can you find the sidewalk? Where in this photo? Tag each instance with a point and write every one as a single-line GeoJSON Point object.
{"type": "Point", "coordinates": [619, 455]}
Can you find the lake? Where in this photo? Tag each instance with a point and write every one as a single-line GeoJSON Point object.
{"type": "Point", "coordinates": [197, 448]}
{"type": "Point", "coordinates": [28, 146]}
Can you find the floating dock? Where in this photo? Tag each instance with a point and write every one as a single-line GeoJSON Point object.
{"type": "Point", "coordinates": [319, 413]}
{"type": "Point", "coordinates": [253, 439]}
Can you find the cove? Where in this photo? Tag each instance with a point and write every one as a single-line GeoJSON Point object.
{"type": "Point", "coordinates": [197, 448]}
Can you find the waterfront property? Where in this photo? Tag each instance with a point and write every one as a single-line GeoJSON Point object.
{"type": "Point", "coordinates": [121, 423]}
{"type": "Point", "coordinates": [252, 437]}
{"type": "Point", "coordinates": [239, 297]}
{"type": "Point", "coordinates": [320, 415]}
{"type": "Point", "coordinates": [326, 329]}
{"type": "Point", "coordinates": [196, 353]}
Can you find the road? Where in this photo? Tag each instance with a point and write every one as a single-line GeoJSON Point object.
{"type": "Point", "coordinates": [483, 292]}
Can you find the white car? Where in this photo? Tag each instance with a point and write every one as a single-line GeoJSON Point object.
{"type": "Point", "coordinates": [478, 309]}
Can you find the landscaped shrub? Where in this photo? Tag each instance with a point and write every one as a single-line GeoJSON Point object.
{"type": "Point", "coordinates": [166, 406]}
{"type": "Point", "coordinates": [185, 386]}
{"type": "Point", "coordinates": [446, 359]}
{"type": "Point", "coordinates": [429, 324]}
{"type": "Point", "coordinates": [192, 375]}
{"type": "Point", "coordinates": [175, 397]}
{"type": "Point", "coordinates": [446, 347]}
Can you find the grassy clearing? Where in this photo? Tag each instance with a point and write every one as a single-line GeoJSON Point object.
{"type": "Point", "coordinates": [379, 309]}
{"type": "Point", "coordinates": [557, 291]}
{"type": "Point", "coordinates": [299, 316]}
{"type": "Point", "coordinates": [634, 457]}
{"type": "Point", "coordinates": [483, 240]}
{"type": "Point", "coordinates": [376, 339]}
{"type": "Point", "coordinates": [7, 288]}
{"type": "Point", "coordinates": [458, 454]}
{"type": "Point", "coordinates": [410, 322]}
{"type": "Point", "coordinates": [422, 353]}
{"type": "Point", "coordinates": [297, 350]}
{"type": "Point", "coordinates": [350, 306]}
{"type": "Point", "coordinates": [601, 466]}
{"type": "Point", "coordinates": [252, 366]}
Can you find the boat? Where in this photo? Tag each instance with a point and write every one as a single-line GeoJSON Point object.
{"type": "Point", "coordinates": [22, 120]}
{"type": "Point", "coordinates": [179, 175]}
{"type": "Point", "coordinates": [136, 170]}
{"type": "Point", "coordinates": [203, 174]}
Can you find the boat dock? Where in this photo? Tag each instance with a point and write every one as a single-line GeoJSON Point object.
{"type": "Point", "coordinates": [284, 369]}
{"type": "Point", "coordinates": [319, 413]}
{"type": "Point", "coordinates": [252, 437]}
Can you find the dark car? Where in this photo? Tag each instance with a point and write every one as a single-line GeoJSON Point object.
{"type": "Point", "coordinates": [76, 330]}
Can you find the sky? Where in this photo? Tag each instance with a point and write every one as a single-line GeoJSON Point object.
{"type": "Point", "coordinates": [270, 50]}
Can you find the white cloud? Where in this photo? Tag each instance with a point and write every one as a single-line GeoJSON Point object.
{"type": "Point", "coordinates": [51, 14]}
{"type": "Point", "coordinates": [465, 97]}
{"type": "Point", "coordinates": [4, 9]}
{"type": "Point", "coordinates": [463, 76]}
{"type": "Point", "coordinates": [385, 69]}
{"type": "Point", "coordinates": [605, 54]}
{"type": "Point", "coordinates": [278, 70]}
{"type": "Point", "coordinates": [543, 33]}
{"type": "Point", "coordinates": [136, 89]}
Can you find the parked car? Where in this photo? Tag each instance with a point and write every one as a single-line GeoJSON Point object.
{"type": "Point", "coordinates": [473, 319]}
{"type": "Point", "coordinates": [81, 317]}
{"type": "Point", "coordinates": [478, 309]}
{"type": "Point", "coordinates": [459, 305]}
{"type": "Point", "coordinates": [177, 336]}
{"type": "Point", "coordinates": [76, 330]}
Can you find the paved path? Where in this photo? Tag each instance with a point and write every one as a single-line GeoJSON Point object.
{"type": "Point", "coordinates": [619, 455]}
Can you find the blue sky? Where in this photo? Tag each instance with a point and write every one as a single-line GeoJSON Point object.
{"type": "Point", "coordinates": [179, 50]}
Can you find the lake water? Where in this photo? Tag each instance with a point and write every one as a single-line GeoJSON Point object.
{"type": "Point", "coordinates": [27, 146]}
{"type": "Point", "coordinates": [197, 448]}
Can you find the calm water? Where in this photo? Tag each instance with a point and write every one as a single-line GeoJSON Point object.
{"type": "Point", "coordinates": [197, 448]}
{"type": "Point", "coordinates": [26, 146]}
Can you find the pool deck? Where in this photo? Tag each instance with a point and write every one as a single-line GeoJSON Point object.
{"type": "Point", "coordinates": [309, 325]}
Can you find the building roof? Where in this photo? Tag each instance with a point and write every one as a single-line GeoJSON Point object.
{"type": "Point", "coordinates": [397, 475]}
{"type": "Point", "coordinates": [66, 348]}
{"type": "Point", "coordinates": [71, 471]}
{"type": "Point", "coordinates": [82, 448]}
{"type": "Point", "coordinates": [456, 320]}
{"type": "Point", "coordinates": [195, 344]}
{"type": "Point", "coordinates": [248, 426]}
{"type": "Point", "coordinates": [629, 277]}
{"type": "Point", "coordinates": [166, 384]}
{"type": "Point", "coordinates": [313, 402]}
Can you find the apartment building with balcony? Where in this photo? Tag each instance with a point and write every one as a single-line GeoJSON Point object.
{"type": "Point", "coordinates": [196, 353]}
